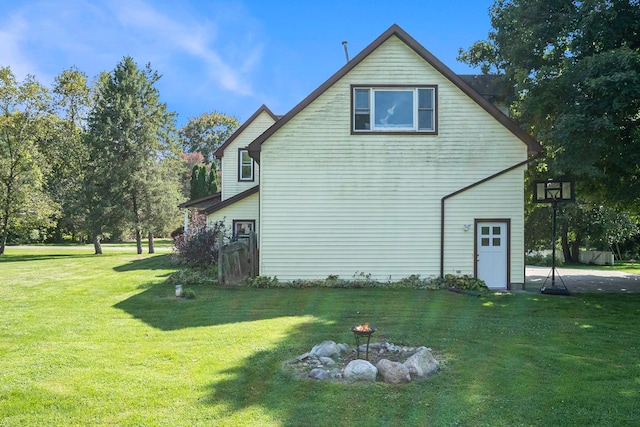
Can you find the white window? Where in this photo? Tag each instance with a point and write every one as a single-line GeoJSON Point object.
{"type": "Point", "coordinates": [243, 227]}
{"type": "Point", "coordinates": [394, 109]}
{"type": "Point", "coordinates": [245, 165]}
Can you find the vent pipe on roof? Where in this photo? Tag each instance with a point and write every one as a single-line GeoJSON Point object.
{"type": "Point", "coordinates": [346, 51]}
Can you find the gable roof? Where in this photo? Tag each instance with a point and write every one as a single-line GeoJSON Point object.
{"type": "Point", "coordinates": [395, 30]}
{"type": "Point", "coordinates": [232, 200]}
{"type": "Point", "coordinates": [263, 109]}
{"type": "Point", "coordinates": [201, 202]}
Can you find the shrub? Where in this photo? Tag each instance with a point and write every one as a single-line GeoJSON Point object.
{"type": "Point", "coordinates": [264, 282]}
{"type": "Point", "coordinates": [199, 245]}
{"type": "Point", "coordinates": [362, 280]}
{"type": "Point", "coordinates": [177, 232]}
{"type": "Point", "coordinates": [541, 260]}
{"type": "Point", "coordinates": [189, 293]}
{"type": "Point", "coordinates": [194, 276]}
{"type": "Point", "coordinates": [464, 282]}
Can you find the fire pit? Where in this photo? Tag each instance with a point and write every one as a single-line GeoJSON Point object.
{"type": "Point", "coordinates": [362, 331]}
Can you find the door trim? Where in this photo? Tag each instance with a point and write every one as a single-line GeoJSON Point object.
{"type": "Point", "coordinates": [507, 222]}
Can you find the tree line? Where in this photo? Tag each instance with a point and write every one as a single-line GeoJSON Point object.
{"type": "Point", "coordinates": [88, 161]}
{"type": "Point", "coordinates": [572, 69]}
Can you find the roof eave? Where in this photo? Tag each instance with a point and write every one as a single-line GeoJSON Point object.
{"type": "Point", "coordinates": [219, 153]}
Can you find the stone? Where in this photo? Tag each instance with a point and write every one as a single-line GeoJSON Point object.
{"type": "Point", "coordinates": [344, 347]}
{"type": "Point", "coordinates": [360, 370]}
{"type": "Point", "coordinates": [327, 361]}
{"type": "Point", "coordinates": [319, 374]}
{"type": "Point", "coordinates": [326, 349]}
{"type": "Point", "coordinates": [298, 359]}
{"type": "Point", "coordinates": [421, 364]}
{"type": "Point", "coordinates": [393, 372]}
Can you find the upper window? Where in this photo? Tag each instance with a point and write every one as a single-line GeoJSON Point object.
{"type": "Point", "coordinates": [245, 165]}
{"type": "Point", "coordinates": [394, 109]}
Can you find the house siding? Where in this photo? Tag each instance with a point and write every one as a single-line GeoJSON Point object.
{"type": "Point", "coordinates": [245, 209]}
{"type": "Point", "coordinates": [485, 202]}
{"type": "Point", "coordinates": [336, 203]}
{"type": "Point", "coordinates": [229, 163]}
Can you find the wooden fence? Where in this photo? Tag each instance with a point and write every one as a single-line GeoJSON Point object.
{"type": "Point", "coordinates": [237, 261]}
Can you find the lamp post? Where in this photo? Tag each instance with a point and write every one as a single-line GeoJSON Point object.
{"type": "Point", "coordinates": [553, 191]}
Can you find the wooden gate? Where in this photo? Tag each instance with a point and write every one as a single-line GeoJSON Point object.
{"type": "Point", "coordinates": [238, 260]}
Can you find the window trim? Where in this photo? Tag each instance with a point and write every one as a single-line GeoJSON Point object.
{"type": "Point", "coordinates": [236, 222]}
{"type": "Point", "coordinates": [416, 109]}
{"type": "Point", "coordinates": [240, 177]}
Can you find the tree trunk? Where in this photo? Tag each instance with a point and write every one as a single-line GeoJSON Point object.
{"type": "Point", "coordinates": [139, 241]}
{"type": "Point", "coordinates": [152, 248]}
{"type": "Point", "coordinates": [3, 243]}
{"type": "Point", "coordinates": [96, 244]}
{"type": "Point", "coordinates": [5, 224]}
{"type": "Point", "coordinates": [575, 250]}
{"type": "Point", "coordinates": [136, 214]}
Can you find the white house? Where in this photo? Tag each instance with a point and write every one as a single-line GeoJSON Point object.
{"type": "Point", "coordinates": [394, 166]}
{"type": "Point", "coordinates": [238, 203]}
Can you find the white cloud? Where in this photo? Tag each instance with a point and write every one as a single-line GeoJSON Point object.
{"type": "Point", "coordinates": [12, 32]}
{"type": "Point", "coordinates": [43, 38]}
{"type": "Point", "coordinates": [177, 38]}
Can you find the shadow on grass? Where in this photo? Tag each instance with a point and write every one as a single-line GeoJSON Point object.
{"type": "Point", "coordinates": [499, 348]}
{"type": "Point", "coordinates": [492, 376]}
{"type": "Point", "coordinates": [158, 262]}
{"type": "Point", "coordinates": [41, 257]}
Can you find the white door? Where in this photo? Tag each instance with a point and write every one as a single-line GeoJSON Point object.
{"type": "Point", "coordinates": [492, 253]}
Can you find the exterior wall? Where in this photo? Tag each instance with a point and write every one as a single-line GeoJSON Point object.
{"type": "Point", "coordinates": [336, 203]}
{"type": "Point", "coordinates": [229, 164]}
{"type": "Point", "coordinates": [501, 198]}
{"type": "Point", "coordinates": [246, 208]}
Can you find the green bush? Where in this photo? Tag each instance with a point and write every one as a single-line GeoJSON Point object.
{"type": "Point", "coordinates": [264, 282]}
{"type": "Point", "coordinates": [188, 293]}
{"type": "Point", "coordinates": [464, 283]}
{"type": "Point", "coordinates": [199, 246]}
{"type": "Point", "coordinates": [541, 260]}
{"type": "Point", "coordinates": [362, 280]}
{"type": "Point", "coordinates": [194, 276]}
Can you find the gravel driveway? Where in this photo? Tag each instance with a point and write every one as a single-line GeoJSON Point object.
{"type": "Point", "coordinates": [584, 281]}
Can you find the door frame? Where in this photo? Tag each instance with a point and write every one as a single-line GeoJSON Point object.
{"type": "Point", "coordinates": [507, 222]}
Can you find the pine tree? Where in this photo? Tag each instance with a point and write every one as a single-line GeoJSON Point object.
{"type": "Point", "coordinates": [212, 182]}
{"type": "Point", "coordinates": [129, 130]}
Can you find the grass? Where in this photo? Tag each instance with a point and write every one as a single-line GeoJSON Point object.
{"type": "Point", "coordinates": [102, 340]}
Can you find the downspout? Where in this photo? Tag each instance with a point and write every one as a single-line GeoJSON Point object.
{"type": "Point", "coordinates": [462, 190]}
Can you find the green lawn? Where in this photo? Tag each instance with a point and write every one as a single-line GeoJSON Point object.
{"type": "Point", "coordinates": [102, 340]}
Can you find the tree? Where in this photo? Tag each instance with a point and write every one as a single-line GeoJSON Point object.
{"type": "Point", "coordinates": [212, 181]}
{"type": "Point", "coordinates": [592, 225]}
{"type": "Point", "coordinates": [189, 160]}
{"type": "Point", "coordinates": [160, 212]}
{"type": "Point", "coordinates": [204, 134]}
{"type": "Point", "coordinates": [65, 151]}
{"type": "Point", "coordinates": [575, 67]}
{"type": "Point", "coordinates": [130, 131]}
{"type": "Point", "coordinates": [203, 182]}
{"type": "Point", "coordinates": [23, 110]}
{"type": "Point", "coordinates": [198, 182]}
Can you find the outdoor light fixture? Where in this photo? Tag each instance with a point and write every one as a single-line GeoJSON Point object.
{"type": "Point", "coordinates": [553, 191]}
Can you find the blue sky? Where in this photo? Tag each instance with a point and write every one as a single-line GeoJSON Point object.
{"type": "Point", "coordinates": [227, 56]}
